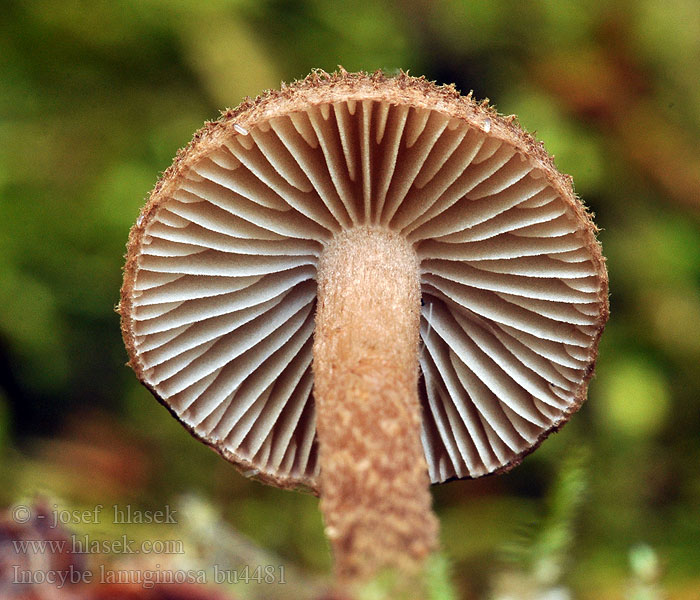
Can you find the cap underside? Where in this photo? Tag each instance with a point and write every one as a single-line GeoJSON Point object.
{"type": "Point", "coordinates": [219, 297]}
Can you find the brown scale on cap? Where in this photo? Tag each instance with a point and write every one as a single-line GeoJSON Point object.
{"type": "Point", "coordinates": [361, 285]}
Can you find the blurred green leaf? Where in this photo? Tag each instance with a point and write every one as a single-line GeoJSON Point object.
{"type": "Point", "coordinates": [633, 397]}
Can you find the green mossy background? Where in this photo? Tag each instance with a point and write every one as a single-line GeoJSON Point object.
{"type": "Point", "coordinates": [95, 99]}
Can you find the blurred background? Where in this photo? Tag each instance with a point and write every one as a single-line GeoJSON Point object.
{"type": "Point", "coordinates": [96, 97]}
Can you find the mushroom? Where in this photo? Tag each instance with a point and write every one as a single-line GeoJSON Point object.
{"type": "Point", "coordinates": [360, 285]}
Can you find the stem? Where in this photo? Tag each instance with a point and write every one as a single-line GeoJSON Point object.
{"type": "Point", "coordinates": [374, 482]}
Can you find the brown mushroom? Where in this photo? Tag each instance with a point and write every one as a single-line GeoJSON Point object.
{"type": "Point", "coordinates": [360, 285]}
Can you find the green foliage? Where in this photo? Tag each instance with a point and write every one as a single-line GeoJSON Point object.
{"type": "Point", "coordinates": [439, 579]}
{"type": "Point", "coordinates": [435, 583]}
{"type": "Point", "coordinates": [97, 97]}
{"type": "Point", "coordinates": [541, 552]}
{"type": "Point", "coordinates": [646, 572]}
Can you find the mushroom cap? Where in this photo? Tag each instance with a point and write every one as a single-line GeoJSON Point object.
{"type": "Point", "coordinates": [219, 288]}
